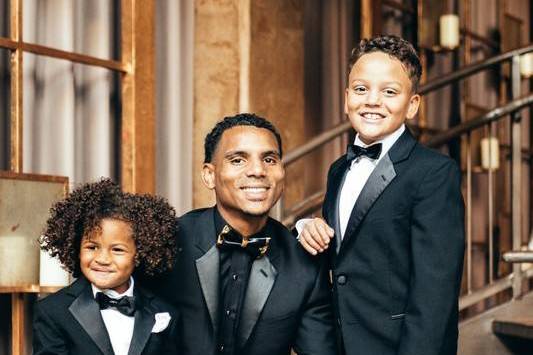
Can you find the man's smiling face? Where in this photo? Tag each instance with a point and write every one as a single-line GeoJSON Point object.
{"type": "Point", "coordinates": [246, 173]}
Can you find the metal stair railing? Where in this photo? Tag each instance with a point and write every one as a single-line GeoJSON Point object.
{"type": "Point", "coordinates": [514, 280]}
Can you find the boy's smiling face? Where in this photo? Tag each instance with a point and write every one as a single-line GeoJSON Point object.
{"type": "Point", "coordinates": [379, 96]}
{"type": "Point", "coordinates": [107, 255]}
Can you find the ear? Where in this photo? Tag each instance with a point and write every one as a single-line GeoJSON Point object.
{"type": "Point", "coordinates": [414, 103]}
{"type": "Point", "coordinates": [208, 175]}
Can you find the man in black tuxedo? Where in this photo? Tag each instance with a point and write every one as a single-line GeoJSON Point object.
{"type": "Point", "coordinates": [241, 282]}
{"type": "Point", "coordinates": [394, 212]}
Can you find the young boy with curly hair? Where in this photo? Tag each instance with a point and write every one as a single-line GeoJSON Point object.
{"type": "Point", "coordinates": [103, 237]}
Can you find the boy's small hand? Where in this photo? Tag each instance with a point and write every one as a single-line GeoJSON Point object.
{"type": "Point", "coordinates": [315, 236]}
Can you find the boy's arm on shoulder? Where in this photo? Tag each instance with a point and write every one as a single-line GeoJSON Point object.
{"type": "Point", "coordinates": [47, 337]}
{"type": "Point", "coordinates": [315, 334]}
{"type": "Point", "coordinates": [437, 248]}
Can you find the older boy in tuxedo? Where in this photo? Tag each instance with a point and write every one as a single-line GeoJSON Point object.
{"type": "Point", "coordinates": [393, 217]}
{"type": "Point", "coordinates": [242, 283]}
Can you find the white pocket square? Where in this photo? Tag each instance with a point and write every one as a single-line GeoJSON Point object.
{"type": "Point", "coordinates": [161, 322]}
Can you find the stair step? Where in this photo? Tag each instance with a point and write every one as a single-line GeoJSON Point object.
{"type": "Point", "coordinates": [514, 327]}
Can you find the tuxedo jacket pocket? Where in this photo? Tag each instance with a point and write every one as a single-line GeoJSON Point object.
{"type": "Point", "coordinates": [162, 321]}
{"type": "Point", "coordinates": [397, 316]}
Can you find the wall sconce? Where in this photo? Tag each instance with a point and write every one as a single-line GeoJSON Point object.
{"type": "Point", "coordinates": [490, 153]}
{"type": "Point", "coordinates": [449, 31]}
{"type": "Point", "coordinates": [526, 65]}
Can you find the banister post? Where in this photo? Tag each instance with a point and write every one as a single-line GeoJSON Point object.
{"type": "Point", "coordinates": [516, 175]}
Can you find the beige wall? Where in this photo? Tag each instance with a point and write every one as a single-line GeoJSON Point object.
{"type": "Point", "coordinates": [216, 76]}
{"type": "Point", "coordinates": [248, 57]}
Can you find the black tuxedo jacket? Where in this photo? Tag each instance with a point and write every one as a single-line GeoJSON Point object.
{"type": "Point", "coordinates": [70, 322]}
{"type": "Point", "coordinates": [397, 271]}
{"type": "Point", "coordinates": [287, 302]}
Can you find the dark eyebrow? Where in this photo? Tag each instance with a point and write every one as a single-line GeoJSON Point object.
{"type": "Point", "coordinates": [271, 152]}
{"type": "Point", "coordinates": [363, 81]}
{"type": "Point", "coordinates": [393, 82]}
{"type": "Point", "coordinates": [233, 153]}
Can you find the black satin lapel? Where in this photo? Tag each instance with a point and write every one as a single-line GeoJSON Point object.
{"type": "Point", "coordinates": [208, 273]}
{"type": "Point", "coordinates": [331, 204]}
{"type": "Point", "coordinates": [380, 178]}
{"type": "Point", "coordinates": [336, 221]}
{"type": "Point", "coordinates": [403, 147]}
{"type": "Point", "coordinates": [206, 233]}
{"type": "Point", "coordinates": [86, 311]}
{"type": "Point", "coordinates": [144, 322]}
{"type": "Point", "coordinates": [262, 277]}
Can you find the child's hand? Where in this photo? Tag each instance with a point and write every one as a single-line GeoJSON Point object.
{"type": "Point", "coordinates": [315, 235]}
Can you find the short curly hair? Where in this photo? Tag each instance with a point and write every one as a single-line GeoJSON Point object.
{"type": "Point", "coordinates": [395, 47]}
{"type": "Point", "coordinates": [152, 219]}
{"type": "Point", "coordinates": [241, 119]}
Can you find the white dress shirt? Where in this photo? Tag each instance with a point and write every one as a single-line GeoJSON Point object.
{"type": "Point", "coordinates": [119, 326]}
{"type": "Point", "coordinates": [358, 174]}
{"type": "Point", "coordinates": [356, 178]}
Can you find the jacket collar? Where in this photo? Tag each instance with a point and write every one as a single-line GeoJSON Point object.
{"type": "Point", "coordinates": [86, 311]}
{"type": "Point", "coordinates": [260, 283]}
{"type": "Point", "coordinates": [381, 177]}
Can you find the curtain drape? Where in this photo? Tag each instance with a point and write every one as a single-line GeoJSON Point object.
{"type": "Point", "coordinates": [174, 101]}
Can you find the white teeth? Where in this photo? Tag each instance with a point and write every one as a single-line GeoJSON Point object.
{"type": "Point", "coordinates": [255, 189]}
{"type": "Point", "coordinates": [372, 116]}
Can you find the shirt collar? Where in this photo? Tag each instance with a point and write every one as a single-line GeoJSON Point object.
{"type": "Point", "coordinates": [220, 222]}
{"type": "Point", "coordinates": [113, 293]}
{"type": "Point", "coordinates": [386, 143]}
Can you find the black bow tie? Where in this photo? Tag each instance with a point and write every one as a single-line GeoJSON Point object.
{"type": "Point", "coordinates": [125, 304]}
{"type": "Point", "coordinates": [230, 239]}
{"type": "Point", "coordinates": [355, 151]}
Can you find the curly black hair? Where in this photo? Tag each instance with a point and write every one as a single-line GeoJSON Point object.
{"type": "Point", "coordinates": [152, 219]}
{"type": "Point", "coordinates": [395, 47]}
{"type": "Point", "coordinates": [241, 119]}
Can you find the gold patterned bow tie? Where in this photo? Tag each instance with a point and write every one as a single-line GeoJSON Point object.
{"type": "Point", "coordinates": [230, 239]}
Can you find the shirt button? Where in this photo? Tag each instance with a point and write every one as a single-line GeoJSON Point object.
{"type": "Point", "coordinates": [341, 279]}
{"type": "Point", "coordinates": [221, 347]}
{"type": "Point", "coordinates": [235, 277]}
{"type": "Point", "coordinates": [228, 312]}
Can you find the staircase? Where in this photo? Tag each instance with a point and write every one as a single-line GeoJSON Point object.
{"type": "Point", "coordinates": [503, 330]}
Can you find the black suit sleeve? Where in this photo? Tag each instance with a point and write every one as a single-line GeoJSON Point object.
{"type": "Point", "coordinates": [437, 248]}
{"type": "Point", "coordinates": [315, 334]}
{"type": "Point", "coordinates": [47, 337]}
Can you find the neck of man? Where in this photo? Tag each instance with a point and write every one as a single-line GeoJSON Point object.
{"type": "Point", "coordinates": [246, 225]}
